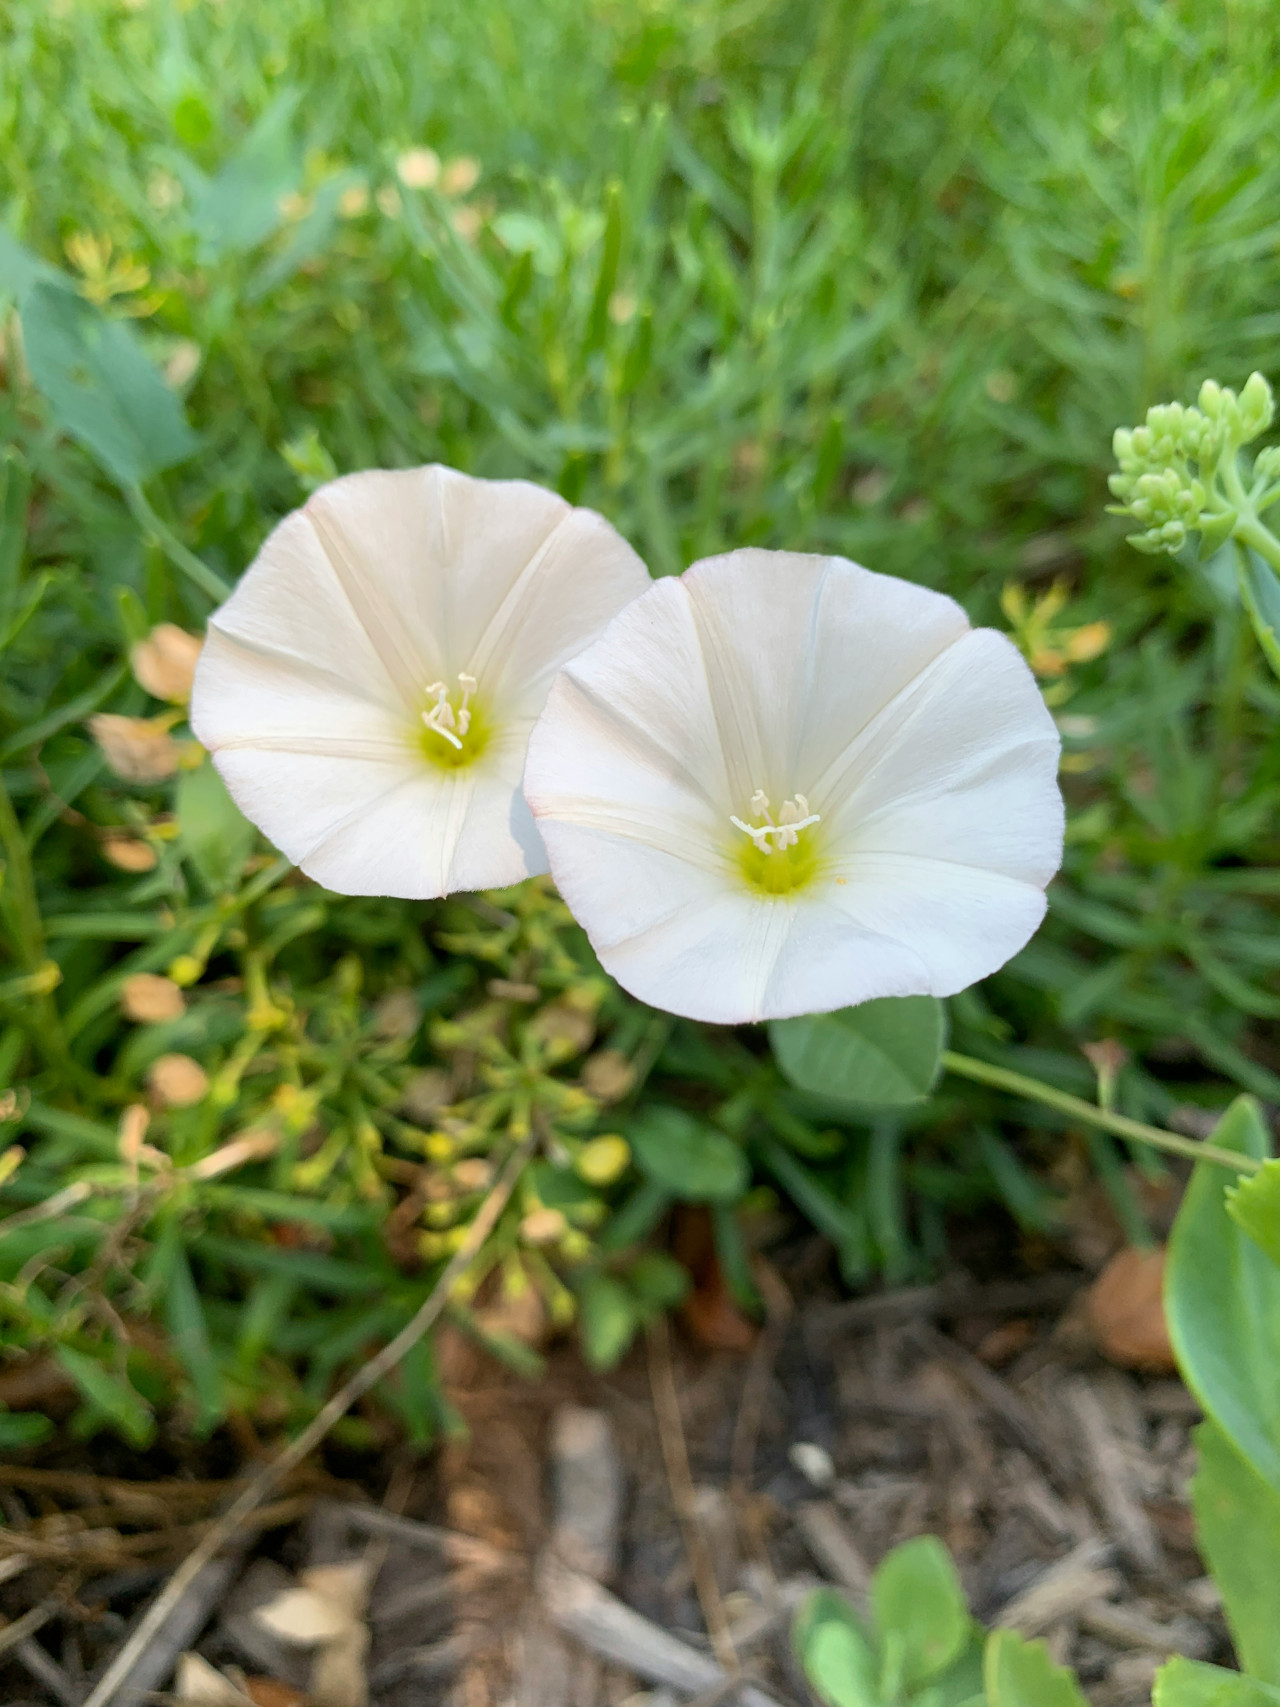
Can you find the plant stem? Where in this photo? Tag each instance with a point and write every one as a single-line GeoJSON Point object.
{"type": "Point", "coordinates": [194, 568]}
{"type": "Point", "coordinates": [40, 1018]}
{"type": "Point", "coordinates": [1259, 537]}
{"type": "Point", "coordinates": [1017, 1084]}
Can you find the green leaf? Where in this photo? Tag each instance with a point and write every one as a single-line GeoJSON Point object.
{"type": "Point", "coordinates": [833, 1649]}
{"type": "Point", "coordinates": [1260, 591]}
{"type": "Point", "coordinates": [917, 1598]}
{"type": "Point", "coordinates": [658, 1281]}
{"type": "Point", "coordinates": [20, 268]}
{"type": "Point", "coordinates": [690, 1159]}
{"type": "Point", "coordinates": [184, 1314]}
{"type": "Point", "coordinates": [1254, 1204]}
{"type": "Point", "coordinates": [607, 1320]}
{"type": "Point", "coordinates": [15, 491]}
{"type": "Point", "coordinates": [880, 1054]}
{"type": "Point", "coordinates": [22, 1428]}
{"type": "Point", "coordinates": [240, 205]}
{"type": "Point", "coordinates": [414, 1391]}
{"type": "Point", "coordinates": [216, 837]}
{"type": "Point", "coordinates": [112, 1398]}
{"type": "Point", "coordinates": [1222, 1298]}
{"type": "Point", "coordinates": [1019, 1673]}
{"type": "Point", "coordinates": [1238, 1529]}
{"type": "Point", "coordinates": [1192, 1683]}
{"type": "Point", "coordinates": [101, 387]}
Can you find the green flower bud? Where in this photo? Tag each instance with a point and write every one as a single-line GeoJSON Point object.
{"type": "Point", "coordinates": [1211, 396]}
{"type": "Point", "coordinates": [1257, 407]}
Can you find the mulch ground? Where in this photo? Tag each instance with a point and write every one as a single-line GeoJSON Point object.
{"type": "Point", "coordinates": [584, 1547]}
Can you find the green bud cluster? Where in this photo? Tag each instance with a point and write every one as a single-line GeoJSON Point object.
{"type": "Point", "coordinates": [1170, 478]}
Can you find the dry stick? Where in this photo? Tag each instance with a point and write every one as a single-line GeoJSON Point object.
{"type": "Point", "coordinates": [666, 1403]}
{"type": "Point", "coordinates": [365, 1377]}
{"type": "Point", "coordinates": [12, 1634]}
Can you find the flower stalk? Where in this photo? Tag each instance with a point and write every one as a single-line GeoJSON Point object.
{"type": "Point", "coordinates": [1018, 1084]}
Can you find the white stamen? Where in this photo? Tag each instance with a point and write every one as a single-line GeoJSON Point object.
{"type": "Point", "coordinates": [794, 817]}
{"type": "Point", "coordinates": [442, 719]}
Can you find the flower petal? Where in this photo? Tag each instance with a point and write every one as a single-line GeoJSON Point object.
{"type": "Point", "coordinates": [389, 825]}
{"type": "Point", "coordinates": [778, 630]}
{"type": "Point", "coordinates": [908, 732]}
{"type": "Point", "coordinates": [963, 762]}
{"type": "Point", "coordinates": [958, 922]}
{"type": "Point", "coordinates": [315, 674]}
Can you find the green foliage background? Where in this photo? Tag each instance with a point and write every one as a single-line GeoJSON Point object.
{"type": "Point", "coordinates": [867, 278]}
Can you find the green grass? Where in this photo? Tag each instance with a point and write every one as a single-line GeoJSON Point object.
{"type": "Point", "coordinates": [876, 279]}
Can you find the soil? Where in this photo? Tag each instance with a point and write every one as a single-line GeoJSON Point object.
{"type": "Point", "coordinates": [980, 1413]}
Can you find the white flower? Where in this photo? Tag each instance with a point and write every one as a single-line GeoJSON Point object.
{"type": "Point", "coordinates": [368, 690]}
{"type": "Point", "coordinates": [782, 784]}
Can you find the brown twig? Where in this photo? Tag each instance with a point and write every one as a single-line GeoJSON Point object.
{"type": "Point", "coordinates": [675, 1452]}
{"type": "Point", "coordinates": [366, 1377]}
{"type": "Point", "coordinates": [102, 1547]}
{"type": "Point", "coordinates": [27, 1625]}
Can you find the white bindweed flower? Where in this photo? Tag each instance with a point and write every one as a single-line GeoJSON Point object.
{"type": "Point", "coordinates": [368, 690]}
{"type": "Point", "coordinates": [782, 784]}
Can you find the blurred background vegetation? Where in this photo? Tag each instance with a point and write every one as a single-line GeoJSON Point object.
{"type": "Point", "coordinates": [876, 279]}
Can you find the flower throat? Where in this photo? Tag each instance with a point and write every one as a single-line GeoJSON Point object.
{"type": "Point", "coordinates": [780, 857]}
{"type": "Point", "coordinates": [454, 729]}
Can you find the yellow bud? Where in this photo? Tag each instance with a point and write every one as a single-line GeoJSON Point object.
{"type": "Point", "coordinates": [10, 1161]}
{"type": "Point", "coordinates": [440, 1147]}
{"type": "Point", "coordinates": [1089, 642]}
{"type": "Point", "coordinates": [185, 970]}
{"type": "Point", "coordinates": [604, 1159]}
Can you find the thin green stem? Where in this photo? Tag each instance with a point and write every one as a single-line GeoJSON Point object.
{"type": "Point", "coordinates": [194, 568]}
{"type": "Point", "coordinates": [1258, 537]}
{"type": "Point", "coordinates": [1017, 1084]}
{"type": "Point", "coordinates": [38, 1015]}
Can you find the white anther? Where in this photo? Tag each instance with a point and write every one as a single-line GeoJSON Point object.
{"type": "Point", "coordinates": [468, 685]}
{"type": "Point", "coordinates": [794, 817]}
{"type": "Point", "coordinates": [442, 719]}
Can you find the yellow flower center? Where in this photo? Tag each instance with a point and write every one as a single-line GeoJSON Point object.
{"type": "Point", "coordinates": [454, 729]}
{"type": "Point", "coordinates": [778, 857]}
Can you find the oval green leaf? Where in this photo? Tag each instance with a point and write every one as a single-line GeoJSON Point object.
{"type": "Point", "coordinates": [881, 1054]}
{"type": "Point", "coordinates": [101, 387]}
{"type": "Point", "coordinates": [688, 1158]}
{"type": "Point", "coordinates": [1222, 1299]}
